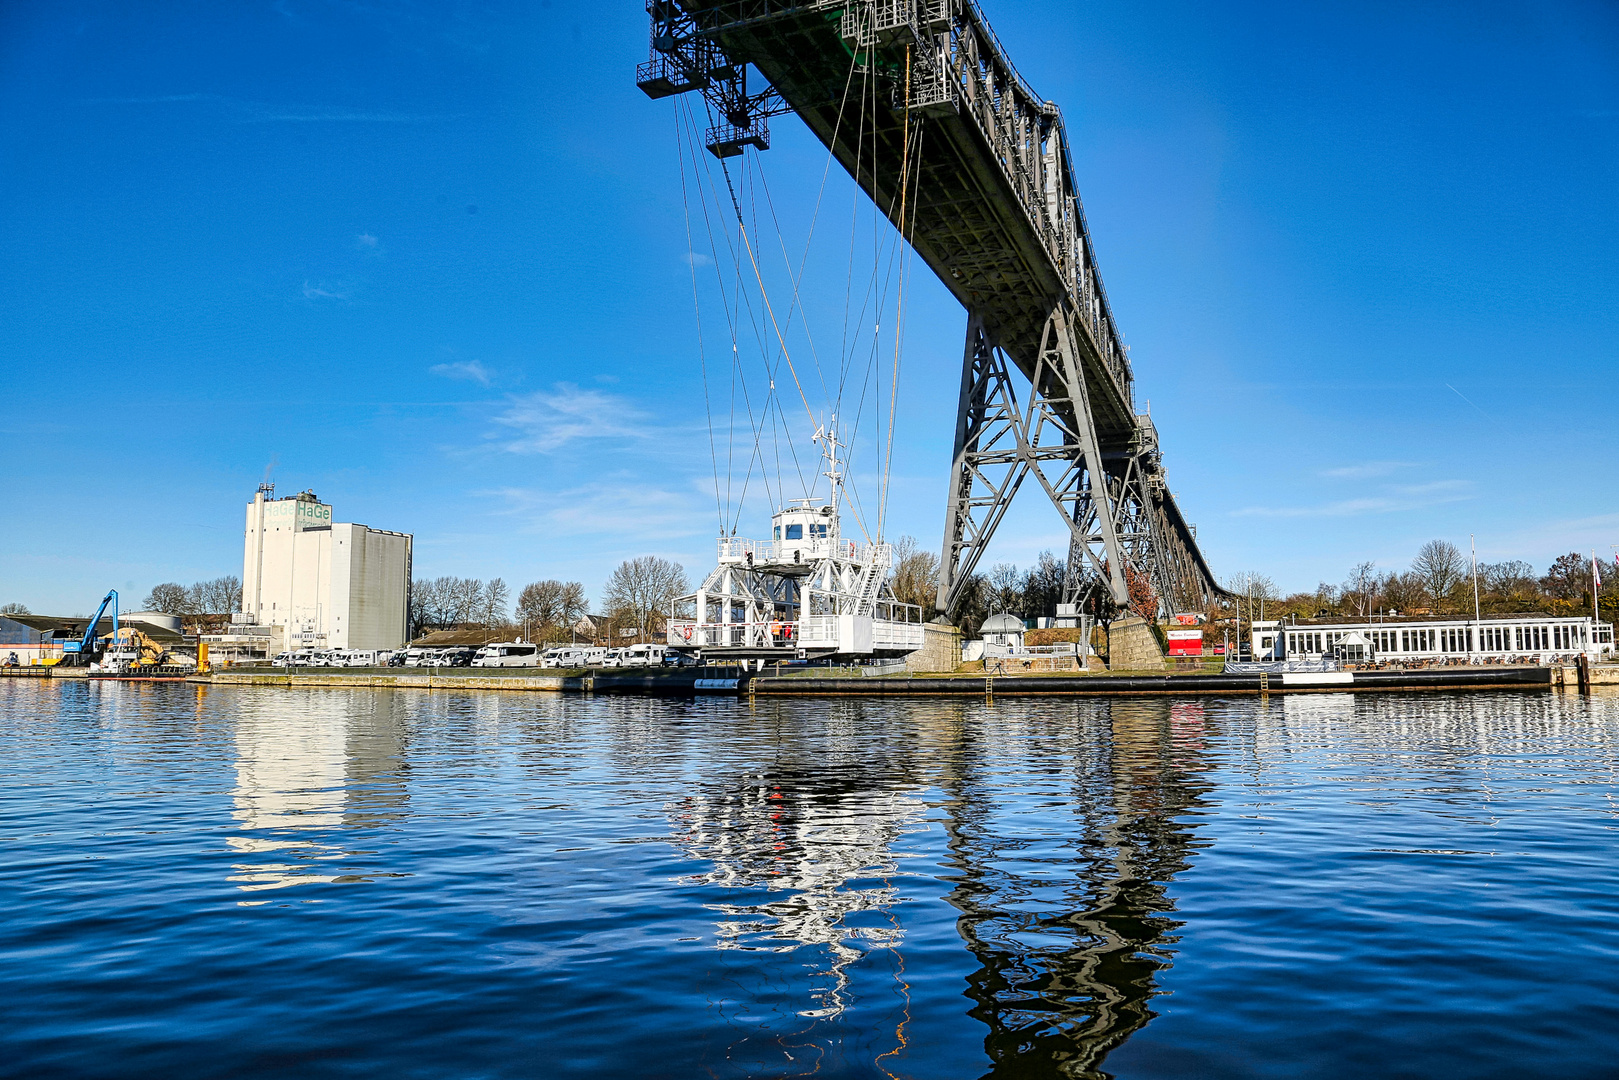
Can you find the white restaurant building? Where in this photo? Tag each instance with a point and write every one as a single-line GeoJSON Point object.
{"type": "Point", "coordinates": [1528, 638]}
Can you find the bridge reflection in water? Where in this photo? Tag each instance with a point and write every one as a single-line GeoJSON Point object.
{"type": "Point", "coordinates": [1063, 824]}
{"type": "Point", "coordinates": [1065, 902]}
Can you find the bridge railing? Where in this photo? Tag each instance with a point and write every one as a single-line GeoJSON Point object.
{"type": "Point", "coordinates": [970, 71]}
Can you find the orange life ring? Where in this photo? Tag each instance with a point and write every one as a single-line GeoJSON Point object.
{"type": "Point", "coordinates": [685, 632]}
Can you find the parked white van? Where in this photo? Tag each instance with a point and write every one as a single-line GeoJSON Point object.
{"type": "Point", "coordinates": [418, 657]}
{"type": "Point", "coordinates": [574, 656]}
{"type": "Point", "coordinates": [641, 656]}
{"type": "Point", "coordinates": [508, 654]}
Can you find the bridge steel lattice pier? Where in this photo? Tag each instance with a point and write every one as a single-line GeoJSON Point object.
{"type": "Point", "coordinates": [995, 213]}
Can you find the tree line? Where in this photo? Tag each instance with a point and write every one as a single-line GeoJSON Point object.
{"type": "Point", "coordinates": [219, 597]}
{"type": "Point", "coordinates": [1440, 581]}
{"type": "Point", "coordinates": [636, 596]}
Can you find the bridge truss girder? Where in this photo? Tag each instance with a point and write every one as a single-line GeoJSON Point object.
{"type": "Point", "coordinates": [1120, 518]}
{"type": "Point", "coordinates": [996, 215]}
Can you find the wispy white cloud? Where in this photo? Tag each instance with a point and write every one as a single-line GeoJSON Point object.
{"type": "Point", "coordinates": [323, 291]}
{"type": "Point", "coordinates": [366, 240]}
{"type": "Point", "coordinates": [468, 370]}
{"type": "Point", "coordinates": [1341, 508]}
{"type": "Point", "coordinates": [1366, 470]}
{"type": "Point", "coordinates": [551, 419]}
{"type": "Point", "coordinates": [1435, 487]}
{"type": "Point", "coordinates": [622, 515]}
{"type": "Point", "coordinates": [697, 258]}
{"type": "Point", "coordinates": [1404, 497]}
{"type": "Point", "coordinates": [1599, 533]}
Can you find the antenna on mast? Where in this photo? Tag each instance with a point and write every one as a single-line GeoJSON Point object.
{"type": "Point", "coordinates": [827, 437]}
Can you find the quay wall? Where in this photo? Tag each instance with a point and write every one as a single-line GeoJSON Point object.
{"type": "Point", "coordinates": [940, 651]}
{"type": "Point", "coordinates": [552, 683]}
{"type": "Point", "coordinates": [734, 681]}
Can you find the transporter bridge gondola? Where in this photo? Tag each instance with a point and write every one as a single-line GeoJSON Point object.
{"type": "Point", "coordinates": [806, 593]}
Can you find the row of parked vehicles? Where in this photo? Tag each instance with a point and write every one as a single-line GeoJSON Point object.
{"type": "Point", "coordinates": [497, 654]}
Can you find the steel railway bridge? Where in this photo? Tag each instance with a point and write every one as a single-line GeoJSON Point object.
{"type": "Point", "coordinates": [993, 210]}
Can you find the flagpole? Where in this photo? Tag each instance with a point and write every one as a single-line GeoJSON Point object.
{"type": "Point", "coordinates": [1596, 588]}
{"type": "Point", "coordinates": [1472, 546]}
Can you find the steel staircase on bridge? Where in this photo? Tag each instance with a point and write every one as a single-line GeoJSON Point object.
{"type": "Point", "coordinates": [995, 213]}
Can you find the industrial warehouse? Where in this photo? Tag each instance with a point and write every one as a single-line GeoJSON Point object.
{"type": "Point", "coordinates": [309, 583]}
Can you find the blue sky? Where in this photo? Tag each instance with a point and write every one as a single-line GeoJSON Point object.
{"type": "Point", "coordinates": [431, 261]}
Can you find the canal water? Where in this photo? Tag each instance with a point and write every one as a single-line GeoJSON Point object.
{"type": "Point", "coordinates": [246, 882]}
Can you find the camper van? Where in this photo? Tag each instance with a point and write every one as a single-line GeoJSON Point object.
{"type": "Point", "coordinates": [507, 654]}
{"type": "Point", "coordinates": [574, 656]}
{"type": "Point", "coordinates": [641, 656]}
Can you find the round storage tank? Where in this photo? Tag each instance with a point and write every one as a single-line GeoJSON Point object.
{"type": "Point", "coordinates": [156, 618]}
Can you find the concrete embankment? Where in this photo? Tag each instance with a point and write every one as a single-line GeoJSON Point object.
{"type": "Point", "coordinates": [685, 681]}
{"type": "Point", "coordinates": [379, 680]}
{"type": "Point", "coordinates": [690, 681]}
{"type": "Point", "coordinates": [1526, 678]}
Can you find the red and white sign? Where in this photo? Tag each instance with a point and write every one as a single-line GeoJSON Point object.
{"type": "Point", "coordinates": [1185, 642]}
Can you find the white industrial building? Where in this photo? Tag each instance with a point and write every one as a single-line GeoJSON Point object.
{"type": "Point", "coordinates": [324, 584]}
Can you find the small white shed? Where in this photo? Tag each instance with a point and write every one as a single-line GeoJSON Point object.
{"type": "Point", "coordinates": [1003, 629]}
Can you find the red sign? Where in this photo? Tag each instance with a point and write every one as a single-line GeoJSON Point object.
{"type": "Point", "coordinates": [1185, 642]}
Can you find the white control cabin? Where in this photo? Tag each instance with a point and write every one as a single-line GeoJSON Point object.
{"type": "Point", "coordinates": [807, 593]}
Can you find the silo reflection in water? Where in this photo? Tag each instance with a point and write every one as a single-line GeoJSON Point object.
{"type": "Point", "coordinates": [304, 778]}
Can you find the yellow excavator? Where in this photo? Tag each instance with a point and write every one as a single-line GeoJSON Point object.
{"type": "Point", "coordinates": [128, 649]}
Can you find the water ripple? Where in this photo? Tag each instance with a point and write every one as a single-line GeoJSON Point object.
{"type": "Point", "coordinates": [255, 882]}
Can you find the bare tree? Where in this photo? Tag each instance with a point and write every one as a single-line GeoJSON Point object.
{"type": "Point", "coordinates": [227, 593]}
{"type": "Point", "coordinates": [1043, 585]}
{"type": "Point", "coordinates": [574, 606]}
{"type": "Point", "coordinates": [1441, 567]}
{"type": "Point", "coordinates": [551, 603]}
{"type": "Point", "coordinates": [1568, 578]}
{"type": "Point", "coordinates": [1005, 587]}
{"type": "Point", "coordinates": [496, 595]}
{"type": "Point", "coordinates": [972, 606]}
{"type": "Point", "coordinates": [220, 596]}
{"type": "Point", "coordinates": [1402, 592]}
{"type": "Point", "coordinates": [1505, 580]}
{"type": "Point", "coordinates": [467, 597]}
{"type": "Point", "coordinates": [641, 589]}
{"type": "Point", "coordinates": [443, 601]}
{"type": "Point", "coordinates": [540, 603]}
{"type": "Point", "coordinates": [915, 576]}
{"type": "Point", "coordinates": [13, 609]}
{"type": "Point", "coordinates": [1252, 583]}
{"type": "Point", "coordinates": [1361, 587]}
{"type": "Point", "coordinates": [171, 597]}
